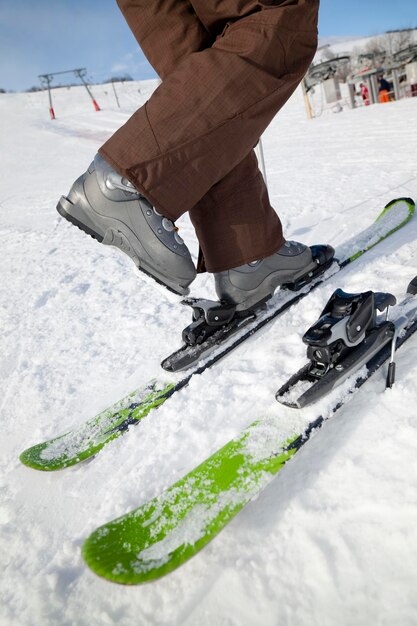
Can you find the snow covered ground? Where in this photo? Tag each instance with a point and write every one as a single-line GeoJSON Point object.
{"type": "Point", "coordinates": [333, 539]}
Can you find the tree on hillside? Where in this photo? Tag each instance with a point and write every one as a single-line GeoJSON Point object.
{"type": "Point", "coordinates": [379, 49]}
{"type": "Point", "coordinates": [397, 40]}
{"type": "Point", "coordinates": [328, 54]}
{"type": "Point", "coordinates": [344, 70]}
{"type": "Point", "coordinates": [376, 51]}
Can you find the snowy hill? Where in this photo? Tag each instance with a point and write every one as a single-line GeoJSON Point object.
{"type": "Point", "coordinates": [333, 540]}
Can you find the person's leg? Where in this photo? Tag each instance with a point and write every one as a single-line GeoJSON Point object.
{"type": "Point", "coordinates": [243, 222]}
{"type": "Point", "coordinates": [189, 148]}
{"type": "Point", "coordinates": [168, 31]}
{"type": "Point", "coordinates": [249, 228]}
{"type": "Point", "coordinates": [235, 222]}
{"type": "Point", "coordinates": [107, 206]}
{"type": "Point", "coordinates": [210, 111]}
{"type": "Point", "coordinates": [215, 14]}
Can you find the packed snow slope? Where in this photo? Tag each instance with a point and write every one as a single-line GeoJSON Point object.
{"type": "Point", "coordinates": [333, 539]}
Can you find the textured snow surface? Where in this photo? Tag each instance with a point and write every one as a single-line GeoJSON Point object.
{"type": "Point", "coordinates": [333, 539]}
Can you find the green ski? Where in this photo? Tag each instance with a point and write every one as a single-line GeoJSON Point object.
{"type": "Point", "coordinates": [87, 439]}
{"type": "Point", "coordinates": [162, 534]}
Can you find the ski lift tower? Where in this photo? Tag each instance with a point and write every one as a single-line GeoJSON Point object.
{"type": "Point", "coordinates": [324, 73]}
{"type": "Point", "coordinates": [46, 81]}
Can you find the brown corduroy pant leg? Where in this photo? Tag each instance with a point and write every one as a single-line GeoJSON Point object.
{"type": "Point", "coordinates": [227, 67]}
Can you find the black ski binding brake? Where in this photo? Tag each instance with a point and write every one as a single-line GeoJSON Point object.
{"type": "Point", "coordinates": [346, 336]}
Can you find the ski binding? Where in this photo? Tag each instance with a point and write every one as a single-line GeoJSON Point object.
{"type": "Point", "coordinates": [346, 337]}
{"type": "Point", "coordinates": [214, 322]}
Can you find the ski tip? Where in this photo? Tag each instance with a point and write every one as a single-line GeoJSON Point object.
{"type": "Point", "coordinates": [406, 206]}
{"type": "Point", "coordinates": [396, 214]}
{"type": "Point", "coordinates": [405, 199]}
{"type": "Point", "coordinates": [33, 458]}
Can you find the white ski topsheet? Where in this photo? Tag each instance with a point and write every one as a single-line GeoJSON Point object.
{"type": "Point", "coordinates": [333, 540]}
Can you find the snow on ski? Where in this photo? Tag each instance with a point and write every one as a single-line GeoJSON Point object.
{"type": "Point", "coordinates": [86, 440]}
{"type": "Point", "coordinates": [163, 533]}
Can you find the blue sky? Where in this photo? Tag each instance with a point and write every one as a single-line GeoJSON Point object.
{"type": "Point", "coordinates": [51, 35]}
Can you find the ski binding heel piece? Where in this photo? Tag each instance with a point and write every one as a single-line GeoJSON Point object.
{"type": "Point", "coordinates": [213, 324]}
{"type": "Point", "coordinates": [346, 336]}
{"type": "Point", "coordinates": [208, 316]}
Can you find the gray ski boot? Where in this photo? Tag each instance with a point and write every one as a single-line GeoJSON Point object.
{"type": "Point", "coordinates": [251, 285]}
{"type": "Point", "coordinates": [107, 206]}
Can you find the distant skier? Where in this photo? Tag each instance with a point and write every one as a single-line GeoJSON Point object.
{"type": "Point", "coordinates": [227, 67]}
{"type": "Point", "coordinates": [365, 94]}
{"type": "Point", "coordinates": [384, 88]}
